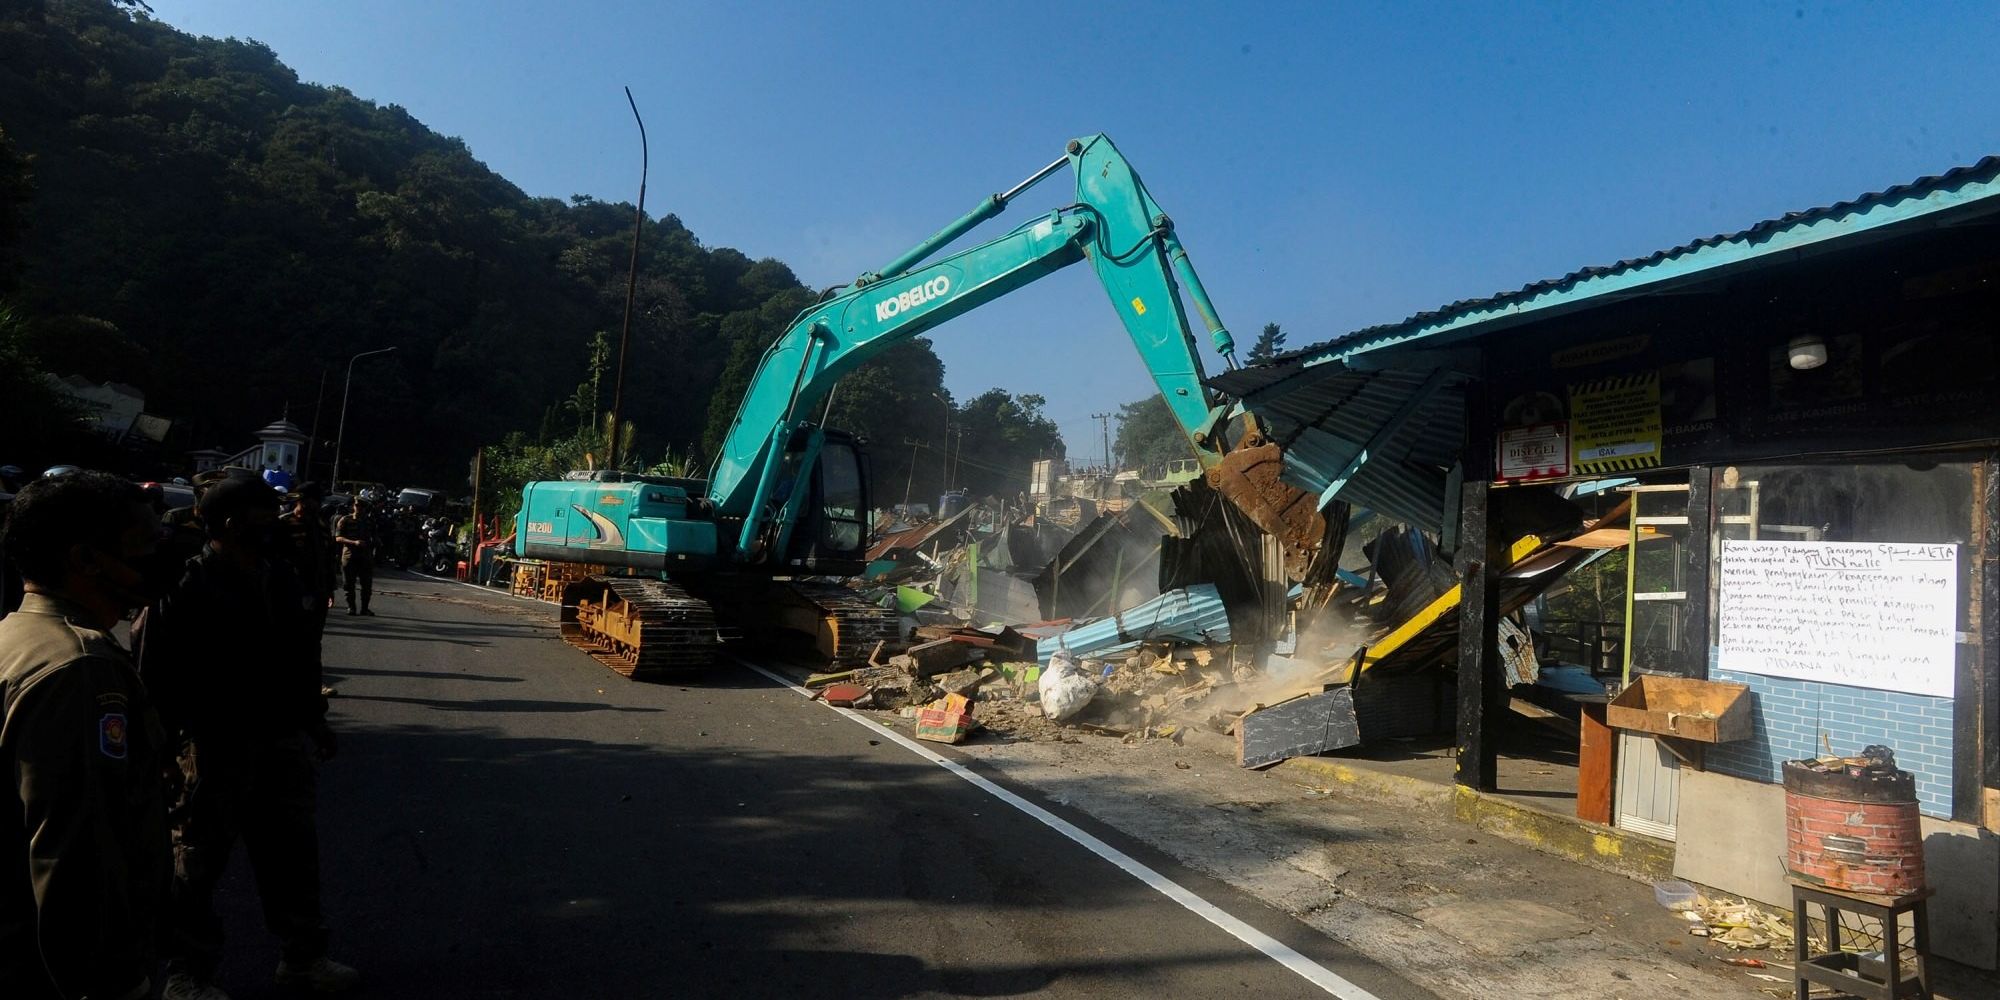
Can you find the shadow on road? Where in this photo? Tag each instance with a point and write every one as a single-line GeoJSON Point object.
{"type": "Point", "coordinates": [501, 704]}
{"type": "Point", "coordinates": [427, 675]}
{"type": "Point", "coordinates": [471, 863]}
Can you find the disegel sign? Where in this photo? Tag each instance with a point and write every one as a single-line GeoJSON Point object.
{"type": "Point", "coordinates": [1540, 451]}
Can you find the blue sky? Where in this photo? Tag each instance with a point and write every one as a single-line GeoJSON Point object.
{"type": "Point", "coordinates": [1328, 165]}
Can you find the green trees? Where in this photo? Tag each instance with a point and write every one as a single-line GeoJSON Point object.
{"type": "Point", "coordinates": [16, 186]}
{"type": "Point", "coordinates": [246, 233]}
{"type": "Point", "coordinates": [1270, 343]}
{"type": "Point", "coordinates": [205, 226]}
{"type": "Point", "coordinates": [1149, 436]}
{"type": "Point", "coordinates": [1004, 434]}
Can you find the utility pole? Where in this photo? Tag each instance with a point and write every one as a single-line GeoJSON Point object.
{"type": "Point", "coordinates": [958, 456]}
{"type": "Point", "coordinates": [631, 290]}
{"type": "Point", "coordinates": [911, 480]}
{"type": "Point", "coordinates": [1104, 421]}
{"type": "Point", "coordinates": [944, 453]}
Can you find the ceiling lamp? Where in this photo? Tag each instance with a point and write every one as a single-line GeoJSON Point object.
{"type": "Point", "coordinates": [1807, 352]}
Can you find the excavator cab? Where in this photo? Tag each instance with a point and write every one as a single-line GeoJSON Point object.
{"type": "Point", "coordinates": [830, 537]}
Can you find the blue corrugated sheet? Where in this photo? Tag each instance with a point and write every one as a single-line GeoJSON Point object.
{"type": "Point", "coordinates": [1325, 415]}
{"type": "Point", "coordinates": [1191, 614]}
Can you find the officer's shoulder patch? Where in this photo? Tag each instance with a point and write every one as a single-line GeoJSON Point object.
{"type": "Point", "coordinates": [111, 737]}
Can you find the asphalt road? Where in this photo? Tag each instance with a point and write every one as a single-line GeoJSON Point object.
{"type": "Point", "coordinates": [507, 818]}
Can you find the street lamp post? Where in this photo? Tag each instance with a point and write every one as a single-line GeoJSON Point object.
{"type": "Point", "coordinates": [340, 439]}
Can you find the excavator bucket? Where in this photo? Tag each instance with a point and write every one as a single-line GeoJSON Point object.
{"type": "Point", "coordinates": [1248, 477]}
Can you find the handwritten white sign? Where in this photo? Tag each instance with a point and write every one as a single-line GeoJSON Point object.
{"type": "Point", "coordinates": [1870, 615]}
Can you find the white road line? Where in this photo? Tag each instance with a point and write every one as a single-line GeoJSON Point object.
{"type": "Point", "coordinates": [489, 591]}
{"type": "Point", "coordinates": [1276, 950]}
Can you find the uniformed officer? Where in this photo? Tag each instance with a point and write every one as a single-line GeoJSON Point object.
{"type": "Point", "coordinates": [228, 655]}
{"type": "Point", "coordinates": [310, 549]}
{"type": "Point", "coordinates": [83, 822]}
{"type": "Point", "coordinates": [357, 536]}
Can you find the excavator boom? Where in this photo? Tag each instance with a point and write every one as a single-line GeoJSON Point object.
{"type": "Point", "coordinates": [1114, 222]}
{"type": "Point", "coordinates": [786, 496]}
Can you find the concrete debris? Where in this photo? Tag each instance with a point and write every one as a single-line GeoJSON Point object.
{"type": "Point", "coordinates": [964, 682]}
{"type": "Point", "coordinates": [931, 658]}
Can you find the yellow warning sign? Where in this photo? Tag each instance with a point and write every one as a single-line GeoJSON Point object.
{"type": "Point", "coordinates": [1615, 424]}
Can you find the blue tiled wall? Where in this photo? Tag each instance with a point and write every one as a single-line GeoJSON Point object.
{"type": "Point", "coordinates": [1790, 715]}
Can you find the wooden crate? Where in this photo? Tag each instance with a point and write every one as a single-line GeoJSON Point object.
{"type": "Point", "coordinates": [1703, 711]}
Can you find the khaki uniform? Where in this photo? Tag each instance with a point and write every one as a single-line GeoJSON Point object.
{"type": "Point", "coordinates": [357, 566]}
{"type": "Point", "coordinates": [84, 828]}
{"type": "Point", "coordinates": [310, 550]}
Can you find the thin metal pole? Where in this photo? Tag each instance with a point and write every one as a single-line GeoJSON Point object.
{"type": "Point", "coordinates": [478, 460]}
{"type": "Point", "coordinates": [631, 287]}
{"type": "Point", "coordinates": [340, 440]}
{"type": "Point", "coordinates": [1631, 577]}
{"type": "Point", "coordinates": [306, 470]}
{"type": "Point", "coordinates": [1034, 178]}
{"type": "Point", "coordinates": [944, 452]}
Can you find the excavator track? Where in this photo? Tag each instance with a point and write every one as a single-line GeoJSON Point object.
{"type": "Point", "coordinates": [641, 628]}
{"type": "Point", "coordinates": [849, 626]}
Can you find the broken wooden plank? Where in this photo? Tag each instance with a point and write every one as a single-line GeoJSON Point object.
{"type": "Point", "coordinates": [941, 655]}
{"type": "Point", "coordinates": [1298, 728]}
{"type": "Point", "coordinates": [1555, 720]}
{"type": "Point", "coordinates": [821, 680]}
{"type": "Point", "coordinates": [1596, 763]}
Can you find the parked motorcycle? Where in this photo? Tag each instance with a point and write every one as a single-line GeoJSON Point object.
{"type": "Point", "coordinates": [442, 554]}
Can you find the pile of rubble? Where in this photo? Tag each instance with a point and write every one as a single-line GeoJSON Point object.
{"type": "Point", "coordinates": [993, 680]}
{"type": "Point", "coordinates": [1177, 608]}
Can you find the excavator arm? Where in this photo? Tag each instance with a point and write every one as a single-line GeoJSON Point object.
{"type": "Point", "coordinates": [1114, 223]}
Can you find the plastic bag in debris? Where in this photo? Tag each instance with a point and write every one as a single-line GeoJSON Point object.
{"type": "Point", "coordinates": [1065, 688]}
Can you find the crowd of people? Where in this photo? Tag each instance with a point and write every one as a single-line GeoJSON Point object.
{"type": "Point", "coordinates": [135, 771]}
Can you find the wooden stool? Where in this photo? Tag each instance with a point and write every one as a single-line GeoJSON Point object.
{"type": "Point", "coordinates": [1844, 970]}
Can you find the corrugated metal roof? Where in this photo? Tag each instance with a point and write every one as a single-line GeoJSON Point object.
{"type": "Point", "coordinates": [1192, 614]}
{"type": "Point", "coordinates": [1324, 413]}
{"type": "Point", "coordinates": [1974, 188]}
{"type": "Point", "coordinates": [1324, 416]}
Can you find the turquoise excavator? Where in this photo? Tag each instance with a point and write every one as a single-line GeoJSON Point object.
{"type": "Point", "coordinates": [786, 506]}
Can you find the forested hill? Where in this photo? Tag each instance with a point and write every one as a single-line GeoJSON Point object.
{"type": "Point", "coordinates": [203, 225]}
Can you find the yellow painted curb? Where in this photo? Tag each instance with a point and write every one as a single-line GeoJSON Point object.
{"type": "Point", "coordinates": [1333, 774]}
{"type": "Point", "coordinates": [1565, 836]}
